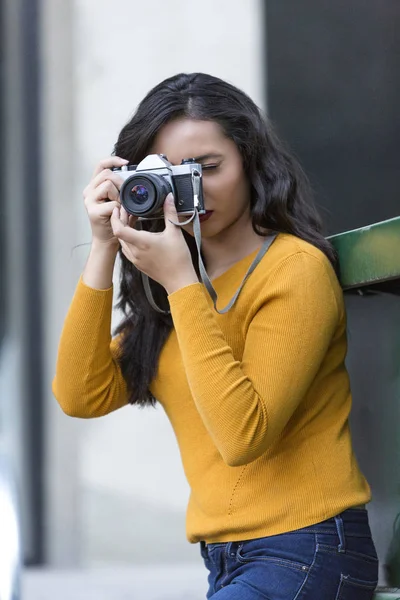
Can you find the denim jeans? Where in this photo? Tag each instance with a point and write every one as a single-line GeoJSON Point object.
{"type": "Point", "coordinates": [333, 560]}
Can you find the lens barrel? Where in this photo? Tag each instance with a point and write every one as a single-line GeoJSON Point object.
{"type": "Point", "coordinates": [143, 194]}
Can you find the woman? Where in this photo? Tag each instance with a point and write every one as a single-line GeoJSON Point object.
{"type": "Point", "coordinates": [259, 396]}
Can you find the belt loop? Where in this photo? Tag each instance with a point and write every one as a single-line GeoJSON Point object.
{"type": "Point", "coordinates": [230, 550]}
{"type": "Point", "coordinates": [203, 549]}
{"type": "Point", "coordinates": [340, 531]}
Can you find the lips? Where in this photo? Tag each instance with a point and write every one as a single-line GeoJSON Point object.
{"type": "Point", "coordinates": [206, 216]}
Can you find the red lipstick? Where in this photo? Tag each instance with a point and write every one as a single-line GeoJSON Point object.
{"type": "Point", "coordinates": [206, 216]}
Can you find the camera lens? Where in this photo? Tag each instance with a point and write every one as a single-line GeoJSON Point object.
{"type": "Point", "coordinates": [144, 195]}
{"type": "Point", "coordinates": [140, 194]}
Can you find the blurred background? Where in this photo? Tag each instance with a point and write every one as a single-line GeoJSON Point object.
{"type": "Point", "coordinates": [103, 501]}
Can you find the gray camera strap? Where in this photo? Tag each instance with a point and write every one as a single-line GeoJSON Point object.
{"type": "Point", "coordinates": [203, 273]}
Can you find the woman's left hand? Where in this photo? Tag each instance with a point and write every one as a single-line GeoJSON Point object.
{"type": "Point", "coordinates": [165, 256]}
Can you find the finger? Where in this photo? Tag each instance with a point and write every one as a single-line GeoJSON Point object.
{"type": "Point", "coordinates": [132, 220]}
{"type": "Point", "coordinates": [123, 250]}
{"type": "Point", "coordinates": [128, 251]}
{"type": "Point", "coordinates": [119, 228]}
{"type": "Point", "coordinates": [105, 191]}
{"type": "Point", "coordinates": [140, 239]}
{"type": "Point", "coordinates": [123, 215]}
{"type": "Point", "coordinates": [102, 210]}
{"type": "Point", "coordinates": [109, 163]}
{"type": "Point", "coordinates": [105, 175]}
{"type": "Point", "coordinates": [170, 214]}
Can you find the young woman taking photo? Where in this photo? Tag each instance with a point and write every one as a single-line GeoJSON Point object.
{"type": "Point", "coordinates": [258, 395]}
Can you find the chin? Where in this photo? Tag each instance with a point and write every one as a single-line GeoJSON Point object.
{"type": "Point", "coordinates": [207, 230]}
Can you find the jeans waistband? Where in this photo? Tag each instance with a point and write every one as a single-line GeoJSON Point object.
{"type": "Point", "coordinates": [352, 522]}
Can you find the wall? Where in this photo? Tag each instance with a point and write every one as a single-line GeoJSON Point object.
{"type": "Point", "coordinates": [115, 487]}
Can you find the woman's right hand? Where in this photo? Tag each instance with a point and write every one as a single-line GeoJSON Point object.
{"type": "Point", "coordinates": [101, 196]}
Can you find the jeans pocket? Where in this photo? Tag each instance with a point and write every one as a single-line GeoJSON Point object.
{"type": "Point", "coordinates": [351, 588]}
{"type": "Point", "coordinates": [366, 555]}
{"type": "Point", "coordinates": [359, 547]}
{"type": "Point", "coordinates": [291, 551]}
{"type": "Point", "coordinates": [270, 572]}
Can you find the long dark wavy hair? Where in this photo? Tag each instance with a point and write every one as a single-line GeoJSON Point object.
{"type": "Point", "coordinates": [281, 200]}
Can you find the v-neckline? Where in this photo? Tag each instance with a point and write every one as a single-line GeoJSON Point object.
{"type": "Point", "coordinates": [238, 263]}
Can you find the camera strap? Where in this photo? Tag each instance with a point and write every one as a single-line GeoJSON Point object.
{"type": "Point", "coordinates": [203, 273]}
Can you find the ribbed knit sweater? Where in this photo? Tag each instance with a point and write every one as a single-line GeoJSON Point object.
{"type": "Point", "coordinates": [258, 398]}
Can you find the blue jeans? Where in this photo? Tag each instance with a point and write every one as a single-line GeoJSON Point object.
{"type": "Point", "coordinates": [333, 560]}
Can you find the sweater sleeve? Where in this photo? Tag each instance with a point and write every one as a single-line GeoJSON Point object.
{"type": "Point", "coordinates": [246, 405]}
{"type": "Point", "coordinates": [88, 380]}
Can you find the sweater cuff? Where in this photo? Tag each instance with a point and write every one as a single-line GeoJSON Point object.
{"type": "Point", "coordinates": [91, 304]}
{"type": "Point", "coordinates": [186, 295]}
{"type": "Point", "coordinates": [95, 291]}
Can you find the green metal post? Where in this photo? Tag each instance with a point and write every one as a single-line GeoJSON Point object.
{"type": "Point", "coordinates": [370, 263]}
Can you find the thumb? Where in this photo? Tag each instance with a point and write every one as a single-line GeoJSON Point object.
{"type": "Point", "coordinates": [170, 214]}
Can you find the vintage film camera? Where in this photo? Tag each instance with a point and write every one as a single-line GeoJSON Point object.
{"type": "Point", "coordinates": [147, 184]}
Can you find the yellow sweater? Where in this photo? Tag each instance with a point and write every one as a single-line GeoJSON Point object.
{"type": "Point", "coordinates": [258, 398]}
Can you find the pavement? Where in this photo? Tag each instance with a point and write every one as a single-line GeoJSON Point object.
{"type": "Point", "coordinates": [171, 582]}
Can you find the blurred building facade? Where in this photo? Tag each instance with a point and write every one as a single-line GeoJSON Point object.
{"type": "Point", "coordinates": [112, 490]}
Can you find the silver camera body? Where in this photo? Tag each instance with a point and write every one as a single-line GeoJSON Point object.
{"type": "Point", "coordinates": [147, 184]}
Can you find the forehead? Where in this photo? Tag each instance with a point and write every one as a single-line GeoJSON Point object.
{"type": "Point", "coordinates": [188, 138]}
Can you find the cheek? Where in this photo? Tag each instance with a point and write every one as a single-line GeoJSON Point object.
{"type": "Point", "coordinates": [228, 188]}
{"type": "Point", "coordinates": [212, 188]}
{"type": "Point", "coordinates": [239, 188]}
{"type": "Point", "coordinates": [219, 186]}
